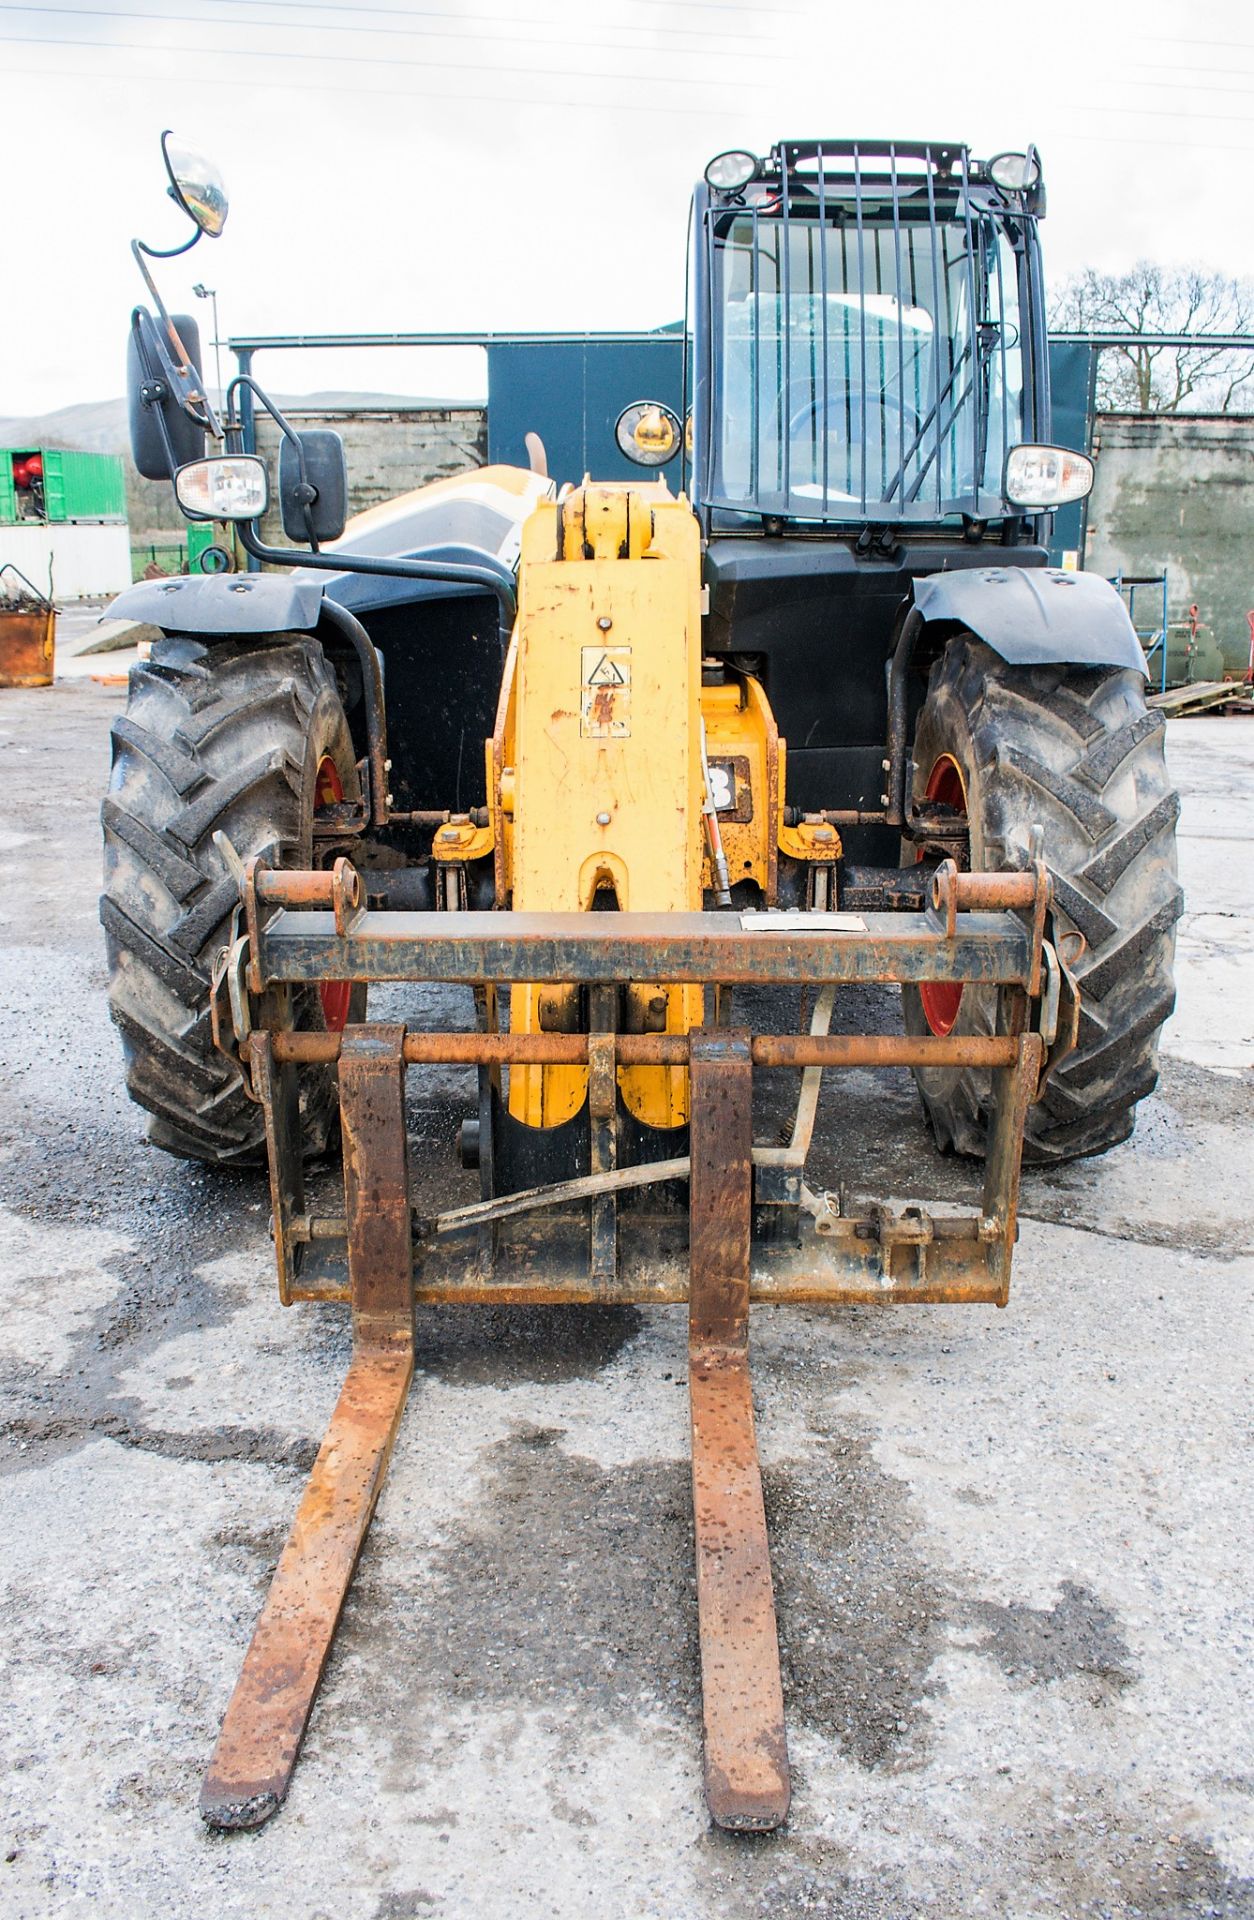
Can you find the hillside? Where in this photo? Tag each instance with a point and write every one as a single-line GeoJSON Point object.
{"type": "Point", "coordinates": [100, 425]}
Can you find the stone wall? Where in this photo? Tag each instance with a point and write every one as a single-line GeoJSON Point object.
{"type": "Point", "coordinates": [1177, 491]}
{"type": "Point", "coordinates": [389, 450]}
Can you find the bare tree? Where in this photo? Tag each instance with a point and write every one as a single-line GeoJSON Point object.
{"type": "Point", "coordinates": [1159, 299]}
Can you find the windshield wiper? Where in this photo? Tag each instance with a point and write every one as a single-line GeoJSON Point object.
{"type": "Point", "coordinates": [924, 425]}
{"type": "Point", "coordinates": [987, 336]}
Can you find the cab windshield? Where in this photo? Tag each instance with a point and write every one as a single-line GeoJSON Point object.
{"type": "Point", "coordinates": [862, 370]}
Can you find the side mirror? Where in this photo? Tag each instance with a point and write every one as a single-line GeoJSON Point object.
{"type": "Point", "coordinates": [313, 485]}
{"type": "Point", "coordinates": [196, 184]}
{"type": "Point", "coordinates": [164, 437]}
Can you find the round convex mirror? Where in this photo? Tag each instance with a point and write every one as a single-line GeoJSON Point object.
{"type": "Point", "coordinates": [196, 184]}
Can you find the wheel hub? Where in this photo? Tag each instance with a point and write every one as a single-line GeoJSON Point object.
{"type": "Point", "coordinates": [941, 999]}
{"type": "Point", "coordinates": [336, 995]}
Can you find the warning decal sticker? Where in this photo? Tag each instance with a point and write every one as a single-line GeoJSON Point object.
{"type": "Point", "coordinates": [605, 695]}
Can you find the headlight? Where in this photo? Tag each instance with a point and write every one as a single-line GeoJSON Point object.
{"type": "Point", "coordinates": [648, 433]}
{"type": "Point", "coordinates": [1046, 476]}
{"type": "Point", "coordinates": [729, 172]}
{"type": "Point", "coordinates": [1016, 172]}
{"type": "Point", "coordinates": [229, 487]}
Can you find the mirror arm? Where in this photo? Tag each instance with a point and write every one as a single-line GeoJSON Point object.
{"type": "Point", "coordinates": [456, 573]}
{"type": "Point", "coordinates": [495, 578]}
{"type": "Point", "coordinates": [246, 381]}
{"type": "Point", "coordinates": [170, 461]}
{"type": "Point", "coordinates": [165, 253]}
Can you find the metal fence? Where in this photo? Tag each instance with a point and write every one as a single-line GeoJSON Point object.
{"type": "Point", "coordinates": [150, 559]}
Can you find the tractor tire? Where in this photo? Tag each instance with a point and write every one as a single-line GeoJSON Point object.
{"type": "Point", "coordinates": [232, 738]}
{"type": "Point", "coordinates": [1076, 751]}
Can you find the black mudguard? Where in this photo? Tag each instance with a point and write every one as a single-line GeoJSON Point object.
{"type": "Point", "coordinates": [1036, 616]}
{"type": "Point", "coordinates": [240, 603]}
{"type": "Point", "coordinates": [225, 603]}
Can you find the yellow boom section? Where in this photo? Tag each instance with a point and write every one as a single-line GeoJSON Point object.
{"type": "Point", "coordinates": [598, 757]}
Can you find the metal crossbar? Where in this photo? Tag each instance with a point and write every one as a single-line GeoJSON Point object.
{"type": "Point", "coordinates": [551, 948]}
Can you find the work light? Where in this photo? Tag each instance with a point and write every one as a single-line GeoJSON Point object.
{"type": "Point", "coordinates": [1044, 477]}
{"type": "Point", "coordinates": [1015, 172]}
{"type": "Point", "coordinates": [227, 487]}
{"type": "Point", "coordinates": [648, 433]}
{"type": "Point", "coordinates": [729, 172]}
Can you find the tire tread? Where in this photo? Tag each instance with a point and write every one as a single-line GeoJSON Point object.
{"type": "Point", "coordinates": [1078, 751]}
{"type": "Point", "coordinates": [214, 738]}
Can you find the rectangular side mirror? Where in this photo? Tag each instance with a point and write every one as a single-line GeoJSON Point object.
{"type": "Point", "coordinates": [163, 436]}
{"type": "Point", "coordinates": [325, 476]}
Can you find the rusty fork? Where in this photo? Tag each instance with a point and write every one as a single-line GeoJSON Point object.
{"type": "Point", "coordinates": [253, 1761]}
{"type": "Point", "coordinates": [746, 1754]}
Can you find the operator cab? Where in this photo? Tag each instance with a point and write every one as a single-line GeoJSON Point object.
{"type": "Point", "coordinates": [870, 343]}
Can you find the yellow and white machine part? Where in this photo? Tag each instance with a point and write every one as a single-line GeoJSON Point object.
{"type": "Point", "coordinates": [596, 781]}
{"type": "Point", "coordinates": [599, 775]}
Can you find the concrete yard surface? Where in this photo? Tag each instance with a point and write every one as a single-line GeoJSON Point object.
{"type": "Point", "coordinates": [1011, 1550]}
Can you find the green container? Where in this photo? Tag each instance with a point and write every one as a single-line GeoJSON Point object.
{"type": "Point", "coordinates": [83, 486]}
{"type": "Point", "coordinates": [76, 486]}
{"type": "Point", "coordinates": [200, 534]}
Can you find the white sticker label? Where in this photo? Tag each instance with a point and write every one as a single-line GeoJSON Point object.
{"type": "Point", "coordinates": [803, 923]}
{"type": "Point", "coordinates": [605, 696]}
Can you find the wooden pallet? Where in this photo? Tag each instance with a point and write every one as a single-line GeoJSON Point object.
{"type": "Point", "coordinates": [1207, 696]}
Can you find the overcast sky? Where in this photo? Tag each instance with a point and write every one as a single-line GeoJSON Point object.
{"type": "Point", "coordinates": [469, 164]}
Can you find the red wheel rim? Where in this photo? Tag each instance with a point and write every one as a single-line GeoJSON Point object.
{"type": "Point", "coordinates": [940, 999]}
{"type": "Point", "coordinates": [336, 995]}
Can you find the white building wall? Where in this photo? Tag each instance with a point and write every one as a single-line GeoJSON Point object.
{"type": "Point", "coordinates": [88, 558]}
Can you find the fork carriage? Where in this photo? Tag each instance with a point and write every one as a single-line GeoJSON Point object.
{"type": "Point", "coordinates": [752, 1230]}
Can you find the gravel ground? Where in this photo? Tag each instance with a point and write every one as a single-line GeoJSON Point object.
{"type": "Point", "coordinates": [1011, 1550]}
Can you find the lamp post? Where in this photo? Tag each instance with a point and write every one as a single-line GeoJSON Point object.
{"type": "Point", "coordinates": [202, 292]}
